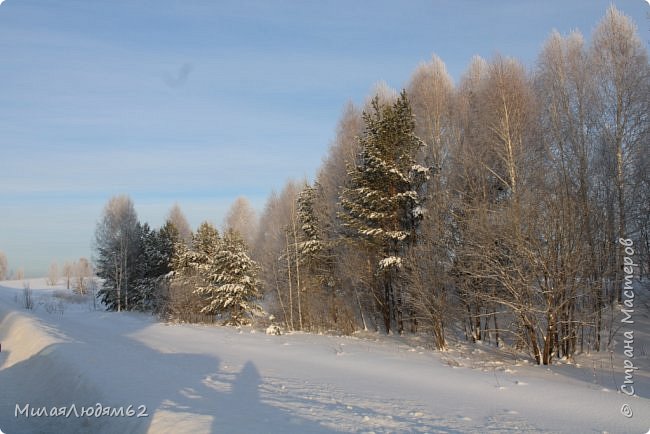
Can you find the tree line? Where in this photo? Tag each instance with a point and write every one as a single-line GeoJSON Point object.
{"type": "Point", "coordinates": [172, 271]}
{"type": "Point", "coordinates": [492, 208]}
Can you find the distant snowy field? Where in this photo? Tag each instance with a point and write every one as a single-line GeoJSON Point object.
{"type": "Point", "coordinates": [200, 379]}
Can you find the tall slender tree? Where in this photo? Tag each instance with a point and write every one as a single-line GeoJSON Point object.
{"type": "Point", "coordinates": [4, 270]}
{"type": "Point", "coordinates": [116, 248]}
{"type": "Point", "coordinates": [382, 203]}
{"type": "Point", "coordinates": [621, 65]}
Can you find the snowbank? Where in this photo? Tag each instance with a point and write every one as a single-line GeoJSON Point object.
{"type": "Point", "coordinates": [37, 374]}
{"type": "Point", "coordinates": [21, 338]}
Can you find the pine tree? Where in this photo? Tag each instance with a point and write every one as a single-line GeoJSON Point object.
{"type": "Point", "coordinates": [382, 203]}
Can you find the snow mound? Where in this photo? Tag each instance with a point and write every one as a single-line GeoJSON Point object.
{"type": "Point", "coordinates": [273, 330]}
{"type": "Point", "coordinates": [34, 373]}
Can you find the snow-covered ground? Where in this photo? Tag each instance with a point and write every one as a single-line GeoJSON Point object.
{"type": "Point", "coordinates": [200, 379]}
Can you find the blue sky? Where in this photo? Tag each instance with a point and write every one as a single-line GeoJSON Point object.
{"type": "Point", "coordinates": [198, 102]}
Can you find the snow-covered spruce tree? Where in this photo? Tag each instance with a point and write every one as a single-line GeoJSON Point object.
{"type": "Point", "coordinates": [324, 304]}
{"type": "Point", "coordinates": [311, 245]}
{"type": "Point", "coordinates": [231, 282]}
{"type": "Point", "coordinates": [382, 203]}
{"type": "Point", "coordinates": [190, 265]}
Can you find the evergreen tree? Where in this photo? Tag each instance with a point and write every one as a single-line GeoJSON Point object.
{"type": "Point", "coordinates": [382, 203]}
{"type": "Point", "coordinates": [315, 250]}
{"type": "Point", "coordinates": [312, 244]}
{"type": "Point", "coordinates": [191, 265]}
{"type": "Point", "coordinates": [205, 243]}
{"type": "Point", "coordinates": [219, 273]}
{"type": "Point", "coordinates": [323, 299]}
{"type": "Point", "coordinates": [231, 282]}
{"type": "Point", "coordinates": [157, 249]}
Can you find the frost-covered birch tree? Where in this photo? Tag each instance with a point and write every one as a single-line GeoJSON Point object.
{"type": "Point", "coordinates": [241, 218]}
{"type": "Point", "coordinates": [620, 62]}
{"type": "Point", "coordinates": [83, 272]}
{"type": "Point", "coordinates": [68, 269]}
{"type": "Point", "coordinates": [3, 266]}
{"type": "Point", "coordinates": [53, 274]}
{"type": "Point", "coordinates": [116, 248]}
{"type": "Point", "coordinates": [178, 219]}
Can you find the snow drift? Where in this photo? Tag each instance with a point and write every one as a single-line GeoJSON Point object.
{"type": "Point", "coordinates": [35, 372]}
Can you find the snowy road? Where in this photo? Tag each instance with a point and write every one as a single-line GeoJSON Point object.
{"type": "Point", "coordinates": [198, 379]}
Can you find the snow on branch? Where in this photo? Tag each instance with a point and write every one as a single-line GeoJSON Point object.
{"type": "Point", "coordinates": [390, 262]}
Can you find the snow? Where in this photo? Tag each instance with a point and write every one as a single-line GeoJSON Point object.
{"type": "Point", "coordinates": [419, 169]}
{"type": "Point", "coordinates": [201, 379]}
{"type": "Point", "coordinates": [391, 261]}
